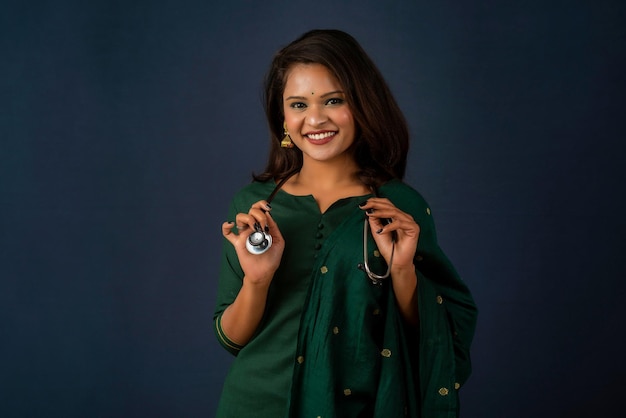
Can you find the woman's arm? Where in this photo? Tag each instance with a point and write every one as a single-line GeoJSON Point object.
{"type": "Point", "coordinates": [405, 282]}
{"type": "Point", "coordinates": [240, 319]}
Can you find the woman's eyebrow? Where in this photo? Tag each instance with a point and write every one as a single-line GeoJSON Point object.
{"type": "Point", "coordinates": [322, 96]}
{"type": "Point", "coordinates": [331, 93]}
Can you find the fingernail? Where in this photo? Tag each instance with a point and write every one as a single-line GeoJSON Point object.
{"type": "Point", "coordinates": [267, 228]}
{"type": "Point", "coordinates": [363, 203]}
{"type": "Point", "coordinates": [268, 206]}
{"type": "Point", "coordinates": [370, 211]}
{"type": "Point", "coordinates": [379, 231]}
{"type": "Point", "coordinates": [257, 226]}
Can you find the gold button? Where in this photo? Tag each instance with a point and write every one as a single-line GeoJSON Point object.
{"type": "Point", "coordinates": [439, 300]}
{"type": "Point", "coordinates": [376, 253]}
{"type": "Point", "coordinates": [457, 385]}
{"type": "Point", "coordinates": [386, 352]}
{"type": "Point", "coordinates": [428, 211]}
{"type": "Point", "coordinates": [324, 269]}
{"type": "Point", "coordinates": [300, 359]}
{"type": "Point", "coordinates": [336, 330]}
{"type": "Point", "coordinates": [376, 311]}
{"type": "Point", "coordinates": [347, 392]}
{"type": "Point", "coordinates": [443, 391]}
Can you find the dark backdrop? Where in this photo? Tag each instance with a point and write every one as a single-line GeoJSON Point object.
{"type": "Point", "coordinates": [126, 127]}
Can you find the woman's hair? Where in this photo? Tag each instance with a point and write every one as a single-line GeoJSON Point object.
{"type": "Point", "coordinates": [381, 135]}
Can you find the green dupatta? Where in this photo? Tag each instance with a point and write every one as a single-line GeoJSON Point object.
{"type": "Point", "coordinates": [356, 357]}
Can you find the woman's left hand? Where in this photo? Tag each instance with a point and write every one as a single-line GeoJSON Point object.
{"type": "Point", "coordinates": [387, 221]}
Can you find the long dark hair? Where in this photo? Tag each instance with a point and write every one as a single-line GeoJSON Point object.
{"type": "Point", "coordinates": [381, 134]}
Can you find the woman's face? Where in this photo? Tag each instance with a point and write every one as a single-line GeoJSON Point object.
{"type": "Point", "coordinates": [317, 115]}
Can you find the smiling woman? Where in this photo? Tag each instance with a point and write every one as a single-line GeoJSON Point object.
{"type": "Point", "coordinates": [313, 333]}
{"type": "Point", "coordinates": [320, 119]}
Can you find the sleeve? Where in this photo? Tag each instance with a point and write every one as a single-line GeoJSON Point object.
{"type": "Point", "coordinates": [449, 293]}
{"type": "Point", "coordinates": [230, 282]}
{"type": "Point", "coordinates": [447, 310]}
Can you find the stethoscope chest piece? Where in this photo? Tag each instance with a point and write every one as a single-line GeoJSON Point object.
{"type": "Point", "coordinates": [258, 242]}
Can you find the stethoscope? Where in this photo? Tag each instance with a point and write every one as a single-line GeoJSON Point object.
{"type": "Point", "coordinates": [375, 278]}
{"type": "Point", "coordinates": [260, 241]}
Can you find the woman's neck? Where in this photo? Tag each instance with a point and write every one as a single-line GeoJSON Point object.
{"type": "Point", "coordinates": [323, 175]}
{"type": "Point", "coordinates": [326, 182]}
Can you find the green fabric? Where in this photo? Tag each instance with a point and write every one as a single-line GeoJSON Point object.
{"type": "Point", "coordinates": [336, 338]}
{"type": "Point", "coordinates": [258, 382]}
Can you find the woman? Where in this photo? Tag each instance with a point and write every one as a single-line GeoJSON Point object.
{"type": "Point", "coordinates": [354, 310]}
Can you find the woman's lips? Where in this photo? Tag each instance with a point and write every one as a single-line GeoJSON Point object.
{"type": "Point", "coordinates": [320, 138]}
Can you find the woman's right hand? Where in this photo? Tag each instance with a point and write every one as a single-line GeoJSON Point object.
{"type": "Point", "coordinates": [258, 269]}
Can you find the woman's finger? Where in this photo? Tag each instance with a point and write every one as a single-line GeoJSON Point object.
{"type": "Point", "coordinates": [227, 232]}
{"type": "Point", "coordinates": [244, 221]}
{"type": "Point", "coordinates": [259, 211]}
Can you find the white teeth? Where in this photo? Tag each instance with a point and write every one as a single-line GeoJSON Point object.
{"type": "Point", "coordinates": [321, 136]}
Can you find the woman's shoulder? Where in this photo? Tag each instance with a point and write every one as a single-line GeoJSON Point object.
{"type": "Point", "coordinates": [256, 186]}
{"type": "Point", "coordinates": [253, 192]}
{"type": "Point", "coordinates": [402, 194]}
{"type": "Point", "coordinates": [409, 200]}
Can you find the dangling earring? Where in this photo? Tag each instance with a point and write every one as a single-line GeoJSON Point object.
{"type": "Point", "coordinates": [286, 142]}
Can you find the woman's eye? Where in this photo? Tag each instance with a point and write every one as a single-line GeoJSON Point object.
{"type": "Point", "coordinates": [334, 101]}
{"type": "Point", "coordinates": [297, 105]}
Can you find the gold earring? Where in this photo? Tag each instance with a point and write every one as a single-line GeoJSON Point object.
{"type": "Point", "coordinates": [286, 142]}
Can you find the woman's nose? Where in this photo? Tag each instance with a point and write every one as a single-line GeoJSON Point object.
{"type": "Point", "coordinates": [317, 116]}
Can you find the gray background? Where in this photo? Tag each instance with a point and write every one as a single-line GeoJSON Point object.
{"type": "Point", "coordinates": [126, 127]}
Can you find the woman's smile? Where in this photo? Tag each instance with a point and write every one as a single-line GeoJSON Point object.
{"type": "Point", "coordinates": [320, 138]}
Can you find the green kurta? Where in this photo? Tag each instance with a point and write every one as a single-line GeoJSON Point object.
{"type": "Point", "coordinates": [331, 343]}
